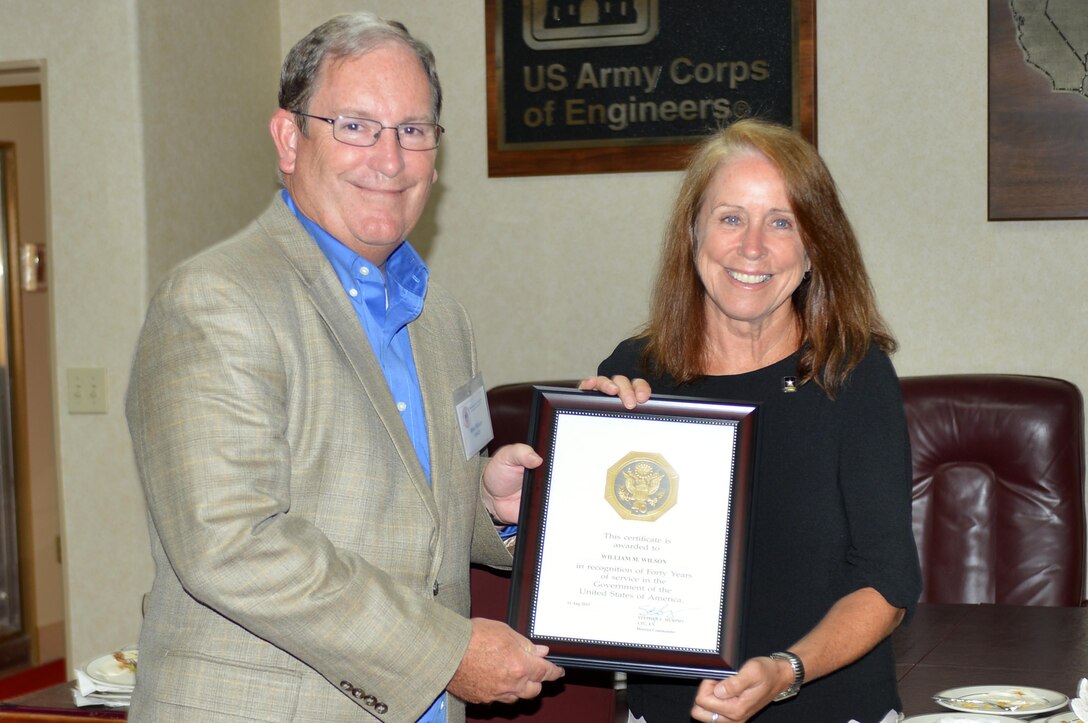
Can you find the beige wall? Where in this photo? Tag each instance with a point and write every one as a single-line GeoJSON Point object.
{"type": "Point", "coordinates": [554, 270]}
{"type": "Point", "coordinates": [571, 258]}
{"type": "Point", "coordinates": [905, 133]}
{"type": "Point", "coordinates": [208, 80]}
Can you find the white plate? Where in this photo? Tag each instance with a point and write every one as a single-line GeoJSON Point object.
{"type": "Point", "coordinates": [973, 717]}
{"type": "Point", "coordinates": [107, 670]}
{"type": "Point", "coordinates": [1066, 717]}
{"type": "Point", "coordinates": [1036, 700]}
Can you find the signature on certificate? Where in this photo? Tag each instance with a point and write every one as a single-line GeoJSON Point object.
{"type": "Point", "coordinates": [662, 613]}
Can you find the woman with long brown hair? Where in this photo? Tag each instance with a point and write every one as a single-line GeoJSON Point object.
{"type": "Point", "coordinates": [763, 296]}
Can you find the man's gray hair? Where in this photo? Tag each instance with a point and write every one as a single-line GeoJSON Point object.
{"type": "Point", "coordinates": [343, 37]}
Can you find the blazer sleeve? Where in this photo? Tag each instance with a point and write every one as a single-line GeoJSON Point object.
{"type": "Point", "coordinates": [875, 484]}
{"type": "Point", "coordinates": [487, 547]}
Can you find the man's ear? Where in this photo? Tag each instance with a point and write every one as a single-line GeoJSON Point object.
{"type": "Point", "coordinates": [285, 134]}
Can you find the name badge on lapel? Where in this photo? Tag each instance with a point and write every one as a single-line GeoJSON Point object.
{"type": "Point", "coordinates": [473, 416]}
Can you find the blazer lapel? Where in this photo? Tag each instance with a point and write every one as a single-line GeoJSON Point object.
{"type": "Point", "coordinates": [437, 402]}
{"type": "Point", "coordinates": [329, 299]}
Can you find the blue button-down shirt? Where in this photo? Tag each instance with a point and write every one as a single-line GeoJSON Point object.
{"type": "Point", "coordinates": [386, 301]}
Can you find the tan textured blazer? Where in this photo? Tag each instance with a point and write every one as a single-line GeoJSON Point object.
{"type": "Point", "coordinates": [305, 569]}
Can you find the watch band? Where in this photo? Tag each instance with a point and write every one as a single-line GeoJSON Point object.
{"type": "Point", "coordinates": [798, 673]}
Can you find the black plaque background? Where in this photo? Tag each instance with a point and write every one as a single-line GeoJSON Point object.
{"type": "Point", "coordinates": [780, 32]}
{"type": "Point", "coordinates": [702, 30]}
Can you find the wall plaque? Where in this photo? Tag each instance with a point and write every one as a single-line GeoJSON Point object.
{"type": "Point", "coordinates": [591, 86]}
{"type": "Point", "coordinates": [1038, 110]}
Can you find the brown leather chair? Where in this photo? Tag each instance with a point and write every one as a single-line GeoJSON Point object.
{"type": "Point", "coordinates": [998, 488]}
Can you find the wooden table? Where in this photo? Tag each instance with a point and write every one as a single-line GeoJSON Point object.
{"type": "Point", "coordinates": [944, 646]}
{"type": "Point", "coordinates": [54, 705]}
{"type": "Point", "coordinates": [949, 646]}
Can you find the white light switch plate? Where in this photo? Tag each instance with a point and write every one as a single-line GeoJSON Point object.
{"type": "Point", "coordinates": [87, 393]}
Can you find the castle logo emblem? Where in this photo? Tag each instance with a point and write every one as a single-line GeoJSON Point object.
{"type": "Point", "coordinates": [553, 24]}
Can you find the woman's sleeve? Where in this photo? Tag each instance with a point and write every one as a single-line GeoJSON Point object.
{"type": "Point", "coordinates": [875, 481]}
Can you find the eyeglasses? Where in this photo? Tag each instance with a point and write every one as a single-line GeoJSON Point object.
{"type": "Point", "coordinates": [365, 132]}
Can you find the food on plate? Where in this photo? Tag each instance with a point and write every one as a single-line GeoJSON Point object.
{"type": "Point", "coordinates": [1006, 700]}
{"type": "Point", "coordinates": [126, 659]}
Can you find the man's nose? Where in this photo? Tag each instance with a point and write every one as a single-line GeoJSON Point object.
{"type": "Point", "coordinates": [386, 155]}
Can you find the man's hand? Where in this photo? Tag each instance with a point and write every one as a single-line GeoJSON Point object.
{"type": "Point", "coordinates": [502, 480]}
{"type": "Point", "coordinates": [501, 665]}
{"type": "Point", "coordinates": [630, 391]}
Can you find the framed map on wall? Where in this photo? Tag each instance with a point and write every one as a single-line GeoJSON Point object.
{"type": "Point", "coordinates": [1038, 109]}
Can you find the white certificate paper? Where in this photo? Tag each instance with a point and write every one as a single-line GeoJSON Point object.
{"type": "Point", "coordinates": [606, 576]}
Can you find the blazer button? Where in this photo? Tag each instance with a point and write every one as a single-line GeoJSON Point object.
{"type": "Point", "coordinates": [381, 708]}
{"type": "Point", "coordinates": [370, 700]}
{"type": "Point", "coordinates": [346, 686]}
{"type": "Point", "coordinates": [434, 590]}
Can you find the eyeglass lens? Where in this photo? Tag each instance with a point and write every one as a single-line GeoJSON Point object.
{"type": "Point", "coordinates": [365, 132]}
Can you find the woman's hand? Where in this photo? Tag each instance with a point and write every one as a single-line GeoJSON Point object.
{"type": "Point", "coordinates": [739, 698]}
{"type": "Point", "coordinates": [851, 628]}
{"type": "Point", "coordinates": [630, 391]}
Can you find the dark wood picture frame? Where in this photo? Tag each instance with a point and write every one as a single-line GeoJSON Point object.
{"type": "Point", "coordinates": [543, 513]}
{"type": "Point", "coordinates": [648, 156]}
{"type": "Point", "coordinates": [1037, 137]}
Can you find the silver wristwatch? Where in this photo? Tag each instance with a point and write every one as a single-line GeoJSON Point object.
{"type": "Point", "coordinates": [798, 673]}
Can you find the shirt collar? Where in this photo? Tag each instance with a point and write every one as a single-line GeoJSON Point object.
{"type": "Point", "coordinates": [405, 273]}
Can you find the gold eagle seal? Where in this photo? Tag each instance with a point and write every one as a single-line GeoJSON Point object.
{"type": "Point", "coordinates": [641, 486]}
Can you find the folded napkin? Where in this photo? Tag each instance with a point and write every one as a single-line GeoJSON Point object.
{"type": "Point", "coordinates": [1080, 703]}
{"type": "Point", "coordinates": [892, 716]}
{"type": "Point", "coordinates": [89, 691]}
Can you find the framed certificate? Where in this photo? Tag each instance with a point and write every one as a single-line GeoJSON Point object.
{"type": "Point", "coordinates": [631, 540]}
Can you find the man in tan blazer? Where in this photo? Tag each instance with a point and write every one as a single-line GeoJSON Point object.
{"type": "Point", "coordinates": [312, 511]}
